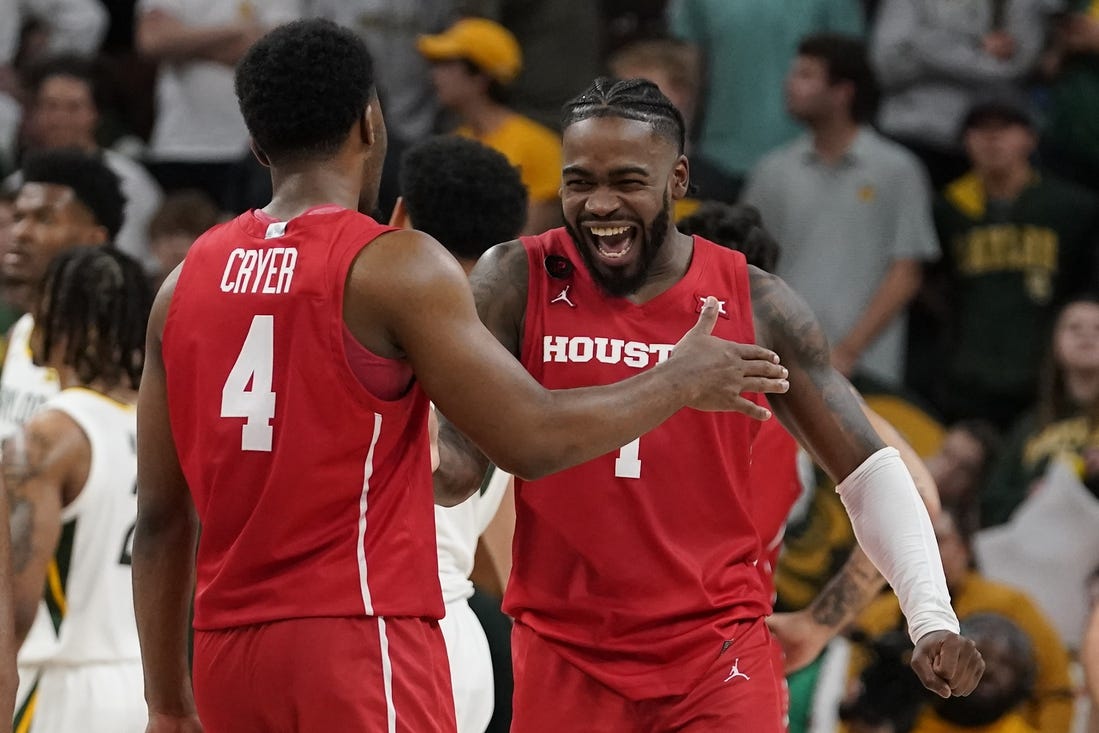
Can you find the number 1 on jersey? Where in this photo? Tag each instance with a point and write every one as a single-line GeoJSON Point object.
{"type": "Point", "coordinates": [628, 465]}
{"type": "Point", "coordinates": [253, 369]}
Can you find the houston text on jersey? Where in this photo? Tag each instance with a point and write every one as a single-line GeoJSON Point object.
{"type": "Point", "coordinates": [580, 349]}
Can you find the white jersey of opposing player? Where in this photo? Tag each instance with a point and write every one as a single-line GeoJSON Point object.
{"type": "Point", "coordinates": [457, 530]}
{"type": "Point", "coordinates": [93, 682]}
{"type": "Point", "coordinates": [24, 387]}
{"type": "Point", "coordinates": [91, 597]}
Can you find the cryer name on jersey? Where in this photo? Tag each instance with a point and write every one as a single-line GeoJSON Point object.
{"type": "Point", "coordinates": [269, 270]}
{"type": "Point", "coordinates": [582, 349]}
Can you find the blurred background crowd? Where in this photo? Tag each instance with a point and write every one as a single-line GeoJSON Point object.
{"type": "Point", "coordinates": [930, 169]}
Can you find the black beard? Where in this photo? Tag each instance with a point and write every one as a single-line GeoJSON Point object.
{"type": "Point", "coordinates": [619, 286]}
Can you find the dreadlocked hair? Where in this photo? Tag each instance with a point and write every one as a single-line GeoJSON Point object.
{"type": "Point", "coordinates": [631, 99]}
{"type": "Point", "coordinates": [95, 306]}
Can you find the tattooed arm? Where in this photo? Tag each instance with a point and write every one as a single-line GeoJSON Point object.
{"type": "Point", "coordinates": [804, 634]}
{"type": "Point", "coordinates": [42, 468]}
{"type": "Point", "coordinates": [499, 283]}
{"type": "Point", "coordinates": [890, 522]}
{"type": "Point", "coordinates": [9, 675]}
{"type": "Point", "coordinates": [820, 410]}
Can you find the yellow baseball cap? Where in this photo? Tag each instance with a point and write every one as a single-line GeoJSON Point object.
{"type": "Point", "coordinates": [488, 45]}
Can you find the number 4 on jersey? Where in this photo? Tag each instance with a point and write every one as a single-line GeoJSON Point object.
{"type": "Point", "coordinates": [247, 392]}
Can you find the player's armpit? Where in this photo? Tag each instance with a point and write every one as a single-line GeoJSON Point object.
{"type": "Point", "coordinates": [820, 410]}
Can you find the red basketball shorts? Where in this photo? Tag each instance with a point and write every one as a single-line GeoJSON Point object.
{"type": "Point", "coordinates": [742, 690]}
{"type": "Point", "coordinates": [324, 674]}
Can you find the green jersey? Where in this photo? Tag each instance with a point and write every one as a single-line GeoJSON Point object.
{"type": "Point", "coordinates": [1012, 264]}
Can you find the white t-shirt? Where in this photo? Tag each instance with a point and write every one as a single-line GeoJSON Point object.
{"type": "Point", "coordinates": [72, 26]}
{"type": "Point", "coordinates": [197, 116]}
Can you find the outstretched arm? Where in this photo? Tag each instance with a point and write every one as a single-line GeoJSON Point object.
{"type": "Point", "coordinates": [890, 522]}
{"type": "Point", "coordinates": [164, 544]}
{"type": "Point", "coordinates": [479, 386]}
{"type": "Point", "coordinates": [499, 283]}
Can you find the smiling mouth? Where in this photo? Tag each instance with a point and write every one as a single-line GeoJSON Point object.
{"type": "Point", "coordinates": [613, 242]}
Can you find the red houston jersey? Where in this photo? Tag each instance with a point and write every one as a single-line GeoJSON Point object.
{"type": "Point", "coordinates": [315, 496]}
{"type": "Point", "coordinates": [633, 565]}
{"type": "Point", "coordinates": [776, 486]}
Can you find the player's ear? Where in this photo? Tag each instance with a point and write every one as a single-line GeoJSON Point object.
{"type": "Point", "coordinates": [681, 178]}
{"type": "Point", "coordinates": [366, 125]}
{"type": "Point", "coordinates": [260, 155]}
{"type": "Point", "coordinates": [400, 215]}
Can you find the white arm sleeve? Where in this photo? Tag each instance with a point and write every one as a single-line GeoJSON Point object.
{"type": "Point", "coordinates": [894, 530]}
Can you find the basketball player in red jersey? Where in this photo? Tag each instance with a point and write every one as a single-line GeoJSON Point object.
{"type": "Point", "coordinates": [284, 407]}
{"type": "Point", "coordinates": [634, 591]}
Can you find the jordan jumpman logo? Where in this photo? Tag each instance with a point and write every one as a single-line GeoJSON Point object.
{"type": "Point", "coordinates": [735, 671]}
{"type": "Point", "coordinates": [563, 297]}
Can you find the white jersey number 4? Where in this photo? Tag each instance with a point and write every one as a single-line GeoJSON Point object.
{"type": "Point", "coordinates": [628, 464]}
{"type": "Point", "coordinates": [247, 391]}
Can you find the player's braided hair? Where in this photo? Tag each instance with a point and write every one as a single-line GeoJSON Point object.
{"type": "Point", "coordinates": [95, 306]}
{"type": "Point", "coordinates": [632, 99]}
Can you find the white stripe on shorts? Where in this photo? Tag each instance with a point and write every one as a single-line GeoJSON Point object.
{"type": "Point", "coordinates": [387, 678]}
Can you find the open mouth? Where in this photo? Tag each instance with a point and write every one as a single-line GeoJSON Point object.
{"type": "Point", "coordinates": [613, 242]}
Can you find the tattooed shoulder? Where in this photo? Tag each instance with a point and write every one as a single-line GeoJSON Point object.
{"type": "Point", "coordinates": [819, 396]}
{"type": "Point", "coordinates": [785, 323]}
{"type": "Point", "coordinates": [499, 283]}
